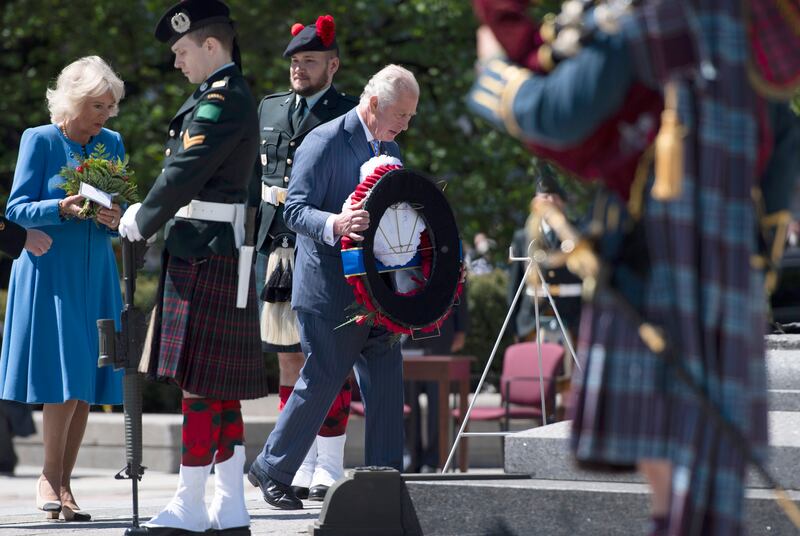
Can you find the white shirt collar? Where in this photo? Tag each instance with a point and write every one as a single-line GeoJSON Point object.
{"type": "Point", "coordinates": [313, 99]}
{"type": "Point", "coordinates": [220, 69]}
{"type": "Point", "coordinates": [369, 135]}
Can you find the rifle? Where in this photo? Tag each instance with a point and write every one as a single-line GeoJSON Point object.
{"type": "Point", "coordinates": [122, 350]}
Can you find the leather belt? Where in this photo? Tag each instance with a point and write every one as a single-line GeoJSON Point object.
{"type": "Point", "coordinates": [209, 211]}
{"type": "Point", "coordinates": [233, 213]}
{"type": "Point", "coordinates": [274, 195]}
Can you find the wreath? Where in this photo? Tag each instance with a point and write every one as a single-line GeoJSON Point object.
{"type": "Point", "coordinates": [416, 231]}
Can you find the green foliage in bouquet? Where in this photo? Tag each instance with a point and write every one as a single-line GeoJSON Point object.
{"type": "Point", "coordinates": [103, 173]}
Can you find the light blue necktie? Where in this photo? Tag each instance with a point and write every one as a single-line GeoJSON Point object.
{"type": "Point", "coordinates": [376, 147]}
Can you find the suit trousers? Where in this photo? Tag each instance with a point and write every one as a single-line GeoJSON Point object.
{"type": "Point", "coordinates": [331, 352]}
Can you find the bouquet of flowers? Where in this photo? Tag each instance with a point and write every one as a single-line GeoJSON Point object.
{"type": "Point", "coordinates": [100, 179]}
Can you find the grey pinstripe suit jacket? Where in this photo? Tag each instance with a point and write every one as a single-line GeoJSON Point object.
{"type": "Point", "coordinates": [325, 172]}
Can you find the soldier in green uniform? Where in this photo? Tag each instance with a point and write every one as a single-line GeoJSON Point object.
{"type": "Point", "coordinates": [204, 333]}
{"type": "Point", "coordinates": [284, 120]}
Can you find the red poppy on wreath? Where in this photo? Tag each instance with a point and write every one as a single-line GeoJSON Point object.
{"type": "Point", "coordinates": [402, 241]}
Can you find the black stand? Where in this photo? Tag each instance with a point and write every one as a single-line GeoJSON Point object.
{"type": "Point", "coordinates": [122, 351]}
{"type": "Point", "coordinates": [382, 506]}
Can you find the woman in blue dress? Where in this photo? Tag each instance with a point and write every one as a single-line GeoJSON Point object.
{"type": "Point", "coordinates": [50, 347]}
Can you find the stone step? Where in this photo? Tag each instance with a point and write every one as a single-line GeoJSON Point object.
{"type": "Point", "coordinates": [556, 508]}
{"type": "Point", "coordinates": [782, 341]}
{"type": "Point", "coordinates": [783, 369]}
{"type": "Point", "coordinates": [783, 372]}
{"type": "Point", "coordinates": [103, 444]}
{"type": "Point", "coordinates": [784, 399]}
{"type": "Point", "coordinates": [543, 453]}
{"type": "Point", "coordinates": [104, 441]}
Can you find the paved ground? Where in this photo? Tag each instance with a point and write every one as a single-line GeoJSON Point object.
{"type": "Point", "coordinates": [108, 501]}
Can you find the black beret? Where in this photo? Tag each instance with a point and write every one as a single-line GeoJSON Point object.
{"type": "Point", "coordinates": [318, 37]}
{"type": "Point", "coordinates": [189, 15]}
{"type": "Point", "coordinates": [546, 182]}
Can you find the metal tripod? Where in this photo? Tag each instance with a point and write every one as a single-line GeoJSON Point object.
{"type": "Point", "coordinates": [531, 263]}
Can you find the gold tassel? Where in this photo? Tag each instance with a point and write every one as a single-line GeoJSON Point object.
{"type": "Point", "coordinates": [533, 230]}
{"type": "Point", "coordinates": [669, 149]}
{"type": "Point", "coordinates": [547, 31]}
{"type": "Point", "coordinates": [544, 56]}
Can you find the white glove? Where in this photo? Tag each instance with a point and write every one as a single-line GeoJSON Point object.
{"type": "Point", "coordinates": [127, 224]}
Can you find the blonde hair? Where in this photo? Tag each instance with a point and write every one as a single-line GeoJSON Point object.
{"type": "Point", "coordinates": [389, 83]}
{"type": "Point", "coordinates": [87, 77]}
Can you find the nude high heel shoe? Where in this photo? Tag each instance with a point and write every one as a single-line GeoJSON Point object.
{"type": "Point", "coordinates": [51, 507]}
{"type": "Point", "coordinates": [69, 508]}
{"type": "Point", "coordinates": [70, 514]}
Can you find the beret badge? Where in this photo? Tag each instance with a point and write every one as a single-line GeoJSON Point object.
{"type": "Point", "coordinates": [181, 22]}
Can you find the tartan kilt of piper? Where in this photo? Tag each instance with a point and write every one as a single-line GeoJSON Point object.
{"type": "Point", "coordinates": [619, 407]}
{"type": "Point", "coordinates": [628, 404]}
{"type": "Point", "coordinates": [702, 290]}
{"type": "Point", "coordinates": [203, 342]}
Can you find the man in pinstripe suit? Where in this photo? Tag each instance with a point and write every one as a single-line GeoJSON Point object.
{"type": "Point", "coordinates": [325, 173]}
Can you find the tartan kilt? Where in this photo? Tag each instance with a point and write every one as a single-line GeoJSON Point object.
{"type": "Point", "coordinates": [619, 406]}
{"type": "Point", "coordinates": [203, 342]}
{"type": "Point", "coordinates": [628, 405]}
{"type": "Point", "coordinates": [701, 289]}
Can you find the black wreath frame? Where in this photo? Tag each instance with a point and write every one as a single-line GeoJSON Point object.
{"type": "Point", "coordinates": [436, 298]}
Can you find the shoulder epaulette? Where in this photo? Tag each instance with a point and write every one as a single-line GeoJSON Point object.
{"type": "Point", "coordinates": [277, 95]}
{"type": "Point", "coordinates": [220, 84]}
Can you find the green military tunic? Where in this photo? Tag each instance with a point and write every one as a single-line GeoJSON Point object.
{"type": "Point", "coordinates": [212, 143]}
{"type": "Point", "coordinates": [200, 339]}
{"type": "Point", "coordinates": [277, 147]}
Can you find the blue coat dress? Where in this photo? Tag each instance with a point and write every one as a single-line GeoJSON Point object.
{"type": "Point", "coordinates": [50, 343]}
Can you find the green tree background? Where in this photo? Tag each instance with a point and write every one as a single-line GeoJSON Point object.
{"type": "Point", "coordinates": [488, 173]}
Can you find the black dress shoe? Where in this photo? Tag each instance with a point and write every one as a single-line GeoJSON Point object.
{"type": "Point", "coordinates": [275, 493]}
{"type": "Point", "coordinates": [317, 493]}
{"type": "Point", "coordinates": [235, 531]}
{"type": "Point", "coordinates": [301, 492]}
{"type": "Point", "coordinates": [163, 531]}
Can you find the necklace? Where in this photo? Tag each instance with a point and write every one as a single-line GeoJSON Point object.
{"type": "Point", "coordinates": [63, 128]}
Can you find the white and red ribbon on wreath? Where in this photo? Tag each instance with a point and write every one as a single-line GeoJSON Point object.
{"type": "Point", "coordinates": [371, 173]}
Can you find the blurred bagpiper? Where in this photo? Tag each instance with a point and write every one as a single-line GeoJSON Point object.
{"type": "Point", "coordinates": [680, 109]}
